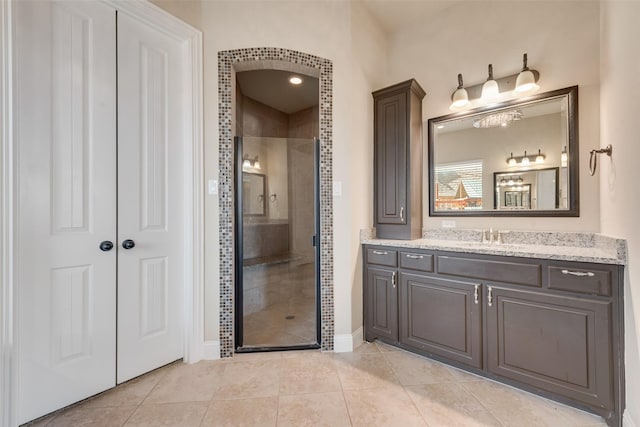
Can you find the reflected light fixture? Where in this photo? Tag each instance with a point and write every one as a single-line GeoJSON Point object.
{"type": "Point", "coordinates": [564, 157]}
{"type": "Point", "coordinates": [295, 80]}
{"type": "Point", "coordinates": [502, 118]}
{"type": "Point", "coordinates": [248, 162]}
{"type": "Point", "coordinates": [490, 89]}
{"type": "Point", "coordinates": [526, 81]}
{"type": "Point", "coordinates": [460, 97]}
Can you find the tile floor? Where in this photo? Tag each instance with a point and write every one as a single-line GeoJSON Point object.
{"type": "Point", "coordinates": [279, 302]}
{"type": "Point", "coordinates": [377, 385]}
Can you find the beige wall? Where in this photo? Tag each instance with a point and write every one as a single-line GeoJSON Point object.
{"type": "Point", "coordinates": [300, 26]}
{"type": "Point", "coordinates": [619, 176]}
{"type": "Point", "coordinates": [561, 38]}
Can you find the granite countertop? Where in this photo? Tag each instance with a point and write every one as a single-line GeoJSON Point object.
{"type": "Point", "coordinates": [582, 247]}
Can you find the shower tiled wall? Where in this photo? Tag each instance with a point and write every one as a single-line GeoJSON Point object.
{"type": "Point", "coordinates": [268, 58]}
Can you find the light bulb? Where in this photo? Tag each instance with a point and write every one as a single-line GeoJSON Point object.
{"type": "Point", "coordinates": [539, 157]}
{"type": "Point", "coordinates": [295, 80]}
{"type": "Point", "coordinates": [460, 97]}
{"type": "Point", "coordinates": [246, 164]}
{"type": "Point", "coordinates": [256, 164]}
{"type": "Point", "coordinates": [525, 160]}
{"type": "Point", "coordinates": [526, 81]}
{"type": "Point", "coordinates": [490, 89]}
{"type": "Point", "coordinates": [511, 161]}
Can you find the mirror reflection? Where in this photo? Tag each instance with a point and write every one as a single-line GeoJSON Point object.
{"type": "Point", "coordinates": [511, 160]}
{"type": "Point", "coordinates": [253, 194]}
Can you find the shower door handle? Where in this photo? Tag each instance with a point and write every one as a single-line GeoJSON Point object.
{"type": "Point", "coordinates": [313, 240]}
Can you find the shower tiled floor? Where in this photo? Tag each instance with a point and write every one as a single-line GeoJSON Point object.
{"type": "Point", "coordinates": [377, 385]}
{"type": "Point", "coordinates": [279, 304]}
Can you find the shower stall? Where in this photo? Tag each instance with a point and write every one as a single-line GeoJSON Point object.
{"type": "Point", "coordinates": [276, 241]}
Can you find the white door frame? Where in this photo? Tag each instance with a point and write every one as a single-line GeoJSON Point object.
{"type": "Point", "coordinates": [155, 17]}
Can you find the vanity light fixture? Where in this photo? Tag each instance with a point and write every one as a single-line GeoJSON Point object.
{"type": "Point", "coordinates": [520, 84]}
{"type": "Point", "coordinates": [526, 160]}
{"type": "Point", "coordinates": [295, 80]}
{"type": "Point", "coordinates": [460, 97]}
{"type": "Point", "coordinates": [526, 81]}
{"type": "Point", "coordinates": [564, 157]}
{"type": "Point", "coordinates": [248, 162]}
{"type": "Point", "coordinates": [490, 89]}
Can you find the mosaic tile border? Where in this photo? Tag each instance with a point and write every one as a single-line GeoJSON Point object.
{"type": "Point", "coordinates": [300, 62]}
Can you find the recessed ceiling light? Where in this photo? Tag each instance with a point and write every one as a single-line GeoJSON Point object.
{"type": "Point", "coordinates": [295, 80]}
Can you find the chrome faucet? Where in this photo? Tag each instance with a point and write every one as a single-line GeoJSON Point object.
{"type": "Point", "coordinates": [491, 236]}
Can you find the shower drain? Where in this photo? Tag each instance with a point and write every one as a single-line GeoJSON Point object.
{"type": "Point", "coordinates": [289, 317]}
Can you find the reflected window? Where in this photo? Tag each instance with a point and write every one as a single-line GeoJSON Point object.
{"type": "Point", "coordinates": [458, 186]}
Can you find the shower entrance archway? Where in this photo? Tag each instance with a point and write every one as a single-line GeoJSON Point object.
{"type": "Point", "coordinates": [229, 63]}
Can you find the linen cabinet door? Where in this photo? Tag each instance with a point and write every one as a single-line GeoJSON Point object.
{"type": "Point", "coordinates": [554, 343]}
{"type": "Point", "coordinates": [442, 317]}
{"type": "Point", "coordinates": [381, 309]}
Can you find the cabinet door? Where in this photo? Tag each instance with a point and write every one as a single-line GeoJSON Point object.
{"type": "Point", "coordinates": [559, 344]}
{"type": "Point", "coordinates": [442, 317]}
{"type": "Point", "coordinates": [391, 158]}
{"type": "Point", "coordinates": [381, 304]}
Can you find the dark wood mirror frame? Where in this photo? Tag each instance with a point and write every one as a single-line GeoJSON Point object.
{"type": "Point", "coordinates": [573, 156]}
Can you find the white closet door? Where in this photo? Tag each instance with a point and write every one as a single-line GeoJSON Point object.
{"type": "Point", "coordinates": [65, 129]}
{"type": "Point", "coordinates": [151, 125]}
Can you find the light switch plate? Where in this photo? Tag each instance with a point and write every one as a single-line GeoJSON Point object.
{"type": "Point", "coordinates": [337, 188]}
{"type": "Point", "coordinates": [213, 186]}
{"type": "Point", "coordinates": [448, 223]}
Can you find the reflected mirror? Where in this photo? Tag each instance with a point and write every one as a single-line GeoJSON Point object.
{"type": "Point", "coordinates": [517, 158]}
{"type": "Point", "coordinates": [253, 194]}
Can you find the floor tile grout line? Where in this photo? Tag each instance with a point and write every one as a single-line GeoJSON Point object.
{"type": "Point", "coordinates": [344, 398]}
{"type": "Point", "coordinates": [404, 387]}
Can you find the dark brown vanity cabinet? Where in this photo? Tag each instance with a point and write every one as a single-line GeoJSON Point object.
{"type": "Point", "coordinates": [441, 317]}
{"type": "Point", "coordinates": [398, 161]}
{"type": "Point", "coordinates": [381, 308]}
{"type": "Point", "coordinates": [556, 343]}
{"type": "Point", "coordinates": [551, 327]}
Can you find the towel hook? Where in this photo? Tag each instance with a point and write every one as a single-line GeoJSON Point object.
{"type": "Point", "coordinates": [593, 159]}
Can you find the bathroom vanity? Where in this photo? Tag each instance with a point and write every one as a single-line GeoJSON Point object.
{"type": "Point", "coordinates": [544, 318]}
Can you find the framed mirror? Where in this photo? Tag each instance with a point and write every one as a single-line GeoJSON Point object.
{"type": "Point", "coordinates": [254, 188]}
{"type": "Point", "coordinates": [516, 158]}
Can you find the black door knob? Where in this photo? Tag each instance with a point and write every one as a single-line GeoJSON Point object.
{"type": "Point", "coordinates": [128, 244]}
{"type": "Point", "coordinates": [106, 246]}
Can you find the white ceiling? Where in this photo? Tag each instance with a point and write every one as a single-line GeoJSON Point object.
{"type": "Point", "coordinates": [396, 15]}
{"type": "Point", "coordinates": [272, 88]}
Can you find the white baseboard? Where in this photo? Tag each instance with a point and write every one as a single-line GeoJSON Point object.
{"type": "Point", "coordinates": [345, 343]}
{"type": "Point", "coordinates": [627, 421]}
{"type": "Point", "coordinates": [211, 350]}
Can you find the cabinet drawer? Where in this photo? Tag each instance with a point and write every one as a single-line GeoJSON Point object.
{"type": "Point", "coordinates": [499, 271]}
{"type": "Point", "coordinates": [382, 256]}
{"type": "Point", "coordinates": [416, 261]}
{"type": "Point", "coordinates": [584, 280]}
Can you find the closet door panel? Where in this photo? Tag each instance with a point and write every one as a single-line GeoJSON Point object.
{"type": "Point", "coordinates": [66, 147]}
{"type": "Point", "coordinates": [150, 197]}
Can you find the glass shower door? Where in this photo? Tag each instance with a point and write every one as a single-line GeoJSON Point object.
{"type": "Point", "coordinates": [276, 255]}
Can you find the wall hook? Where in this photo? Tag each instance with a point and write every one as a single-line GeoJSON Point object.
{"type": "Point", "coordinates": [593, 159]}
